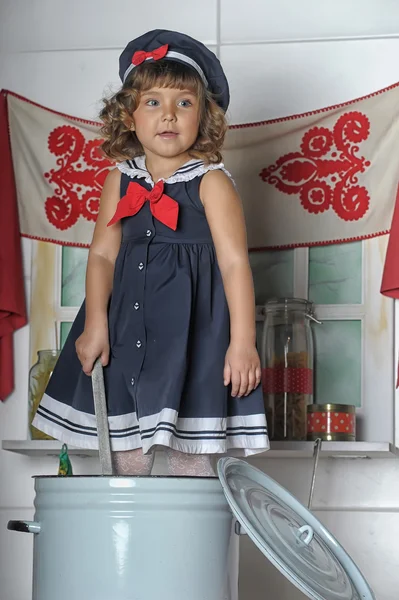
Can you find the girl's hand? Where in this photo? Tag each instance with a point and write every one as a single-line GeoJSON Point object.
{"type": "Point", "coordinates": [93, 343]}
{"type": "Point", "coordinates": [242, 369]}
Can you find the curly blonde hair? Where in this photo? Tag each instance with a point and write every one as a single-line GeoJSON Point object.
{"type": "Point", "coordinates": [120, 143]}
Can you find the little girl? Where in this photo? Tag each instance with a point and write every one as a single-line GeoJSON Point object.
{"type": "Point", "coordinates": [169, 294]}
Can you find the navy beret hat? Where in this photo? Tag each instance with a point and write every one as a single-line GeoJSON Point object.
{"type": "Point", "coordinates": [161, 44]}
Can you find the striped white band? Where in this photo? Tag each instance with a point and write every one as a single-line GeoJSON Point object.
{"type": "Point", "coordinates": [178, 56]}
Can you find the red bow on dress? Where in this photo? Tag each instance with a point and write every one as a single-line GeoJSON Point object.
{"type": "Point", "coordinates": [141, 55]}
{"type": "Point", "coordinates": [164, 208]}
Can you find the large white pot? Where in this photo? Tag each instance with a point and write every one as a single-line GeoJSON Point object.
{"type": "Point", "coordinates": [149, 538]}
{"type": "Point", "coordinates": [133, 538]}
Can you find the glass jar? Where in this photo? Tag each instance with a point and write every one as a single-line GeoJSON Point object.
{"type": "Point", "coordinates": [287, 366]}
{"type": "Point", "coordinates": [39, 376]}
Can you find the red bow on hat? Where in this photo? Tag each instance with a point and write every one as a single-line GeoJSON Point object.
{"type": "Point", "coordinates": [164, 208]}
{"type": "Point", "coordinates": [141, 55]}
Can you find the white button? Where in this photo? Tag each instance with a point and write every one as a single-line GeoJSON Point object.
{"type": "Point", "coordinates": [148, 232]}
{"type": "Point", "coordinates": [136, 306]}
{"type": "Point", "coordinates": [141, 266]}
{"type": "Point", "coordinates": [132, 381]}
{"type": "Point", "coordinates": [138, 344]}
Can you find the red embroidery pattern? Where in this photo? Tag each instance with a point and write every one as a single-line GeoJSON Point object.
{"type": "Point", "coordinates": [332, 422]}
{"type": "Point", "coordinates": [78, 180]}
{"type": "Point", "coordinates": [292, 380]}
{"type": "Point", "coordinates": [325, 172]}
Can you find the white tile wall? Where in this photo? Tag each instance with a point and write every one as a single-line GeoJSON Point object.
{"type": "Point", "coordinates": [341, 484]}
{"type": "Point", "coordinates": [15, 557]}
{"type": "Point", "coordinates": [63, 54]}
{"type": "Point", "coordinates": [269, 81]}
{"type": "Point", "coordinates": [44, 25]}
{"type": "Point", "coordinates": [260, 20]}
{"type": "Point", "coordinates": [70, 81]}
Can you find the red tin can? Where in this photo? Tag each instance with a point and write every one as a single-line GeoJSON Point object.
{"type": "Point", "coordinates": [331, 422]}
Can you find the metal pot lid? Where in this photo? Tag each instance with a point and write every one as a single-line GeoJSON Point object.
{"type": "Point", "coordinates": [294, 541]}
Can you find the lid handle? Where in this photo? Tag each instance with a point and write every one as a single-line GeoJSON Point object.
{"type": "Point", "coordinates": [310, 315]}
{"type": "Point", "coordinates": [238, 528]}
{"type": "Point", "coordinates": [309, 534]}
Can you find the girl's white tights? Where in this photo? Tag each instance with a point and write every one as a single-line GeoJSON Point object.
{"type": "Point", "coordinates": [189, 465]}
{"type": "Point", "coordinates": [134, 462]}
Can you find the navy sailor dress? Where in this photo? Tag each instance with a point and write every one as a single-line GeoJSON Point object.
{"type": "Point", "coordinates": [169, 332]}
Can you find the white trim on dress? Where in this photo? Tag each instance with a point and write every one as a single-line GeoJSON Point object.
{"type": "Point", "coordinates": [242, 435]}
{"type": "Point", "coordinates": [177, 177]}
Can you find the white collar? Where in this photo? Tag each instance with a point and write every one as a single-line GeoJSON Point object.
{"type": "Point", "coordinates": [136, 168]}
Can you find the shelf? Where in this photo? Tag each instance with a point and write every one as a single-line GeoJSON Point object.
{"type": "Point", "coordinates": [331, 450]}
{"type": "Point", "coordinates": [44, 448]}
{"type": "Point", "coordinates": [278, 449]}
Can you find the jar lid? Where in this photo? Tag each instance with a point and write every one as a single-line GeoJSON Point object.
{"type": "Point", "coordinates": [289, 304]}
{"type": "Point", "coordinates": [290, 536]}
{"type": "Point", "coordinates": [345, 408]}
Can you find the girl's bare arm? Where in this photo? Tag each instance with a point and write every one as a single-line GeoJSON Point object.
{"type": "Point", "coordinates": [94, 341]}
{"type": "Point", "coordinates": [226, 220]}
